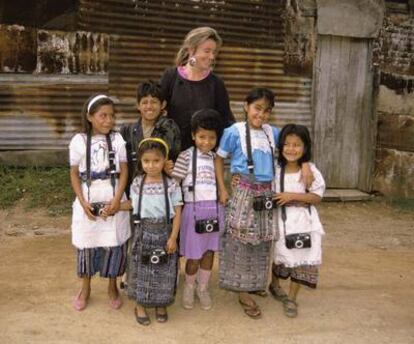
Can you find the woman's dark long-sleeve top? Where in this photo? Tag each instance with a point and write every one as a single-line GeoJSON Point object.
{"type": "Point", "coordinates": [184, 97]}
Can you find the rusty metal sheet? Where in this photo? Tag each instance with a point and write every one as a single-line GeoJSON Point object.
{"type": "Point", "coordinates": [245, 22]}
{"type": "Point", "coordinates": [38, 112]}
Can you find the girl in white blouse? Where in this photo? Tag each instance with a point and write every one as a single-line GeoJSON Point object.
{"type": "Point", "coordinates": [298, 251]}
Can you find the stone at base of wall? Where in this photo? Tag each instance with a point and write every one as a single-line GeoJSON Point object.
{"type": "Point", "coordinates": [37, 158]}
{"type": "Point", "coordinates": [394, 173]}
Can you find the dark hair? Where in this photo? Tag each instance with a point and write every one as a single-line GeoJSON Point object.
{"type": "Point", "coordinates": [145, 147]}
{"type": "Point", "coordinates": [303, 133]}
{"type": "Point", "coordinates": [207, 119]}
{"type": "Point", "coordinates": [86, 125]}
{"type": "Point", "coordinates": [149, 88]}
{"type": "Point", "coordinates": [260, 93]}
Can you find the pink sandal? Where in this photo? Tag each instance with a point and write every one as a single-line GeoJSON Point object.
{"type": "Point", "coordinates": [116, 303]}
{"type": "Point", "coordinates": [78, 303]}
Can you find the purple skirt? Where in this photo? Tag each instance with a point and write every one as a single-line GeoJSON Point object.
{"type": "Point", "coordinates": [192, 244]}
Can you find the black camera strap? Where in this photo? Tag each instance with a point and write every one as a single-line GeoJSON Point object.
{"type": "Point", "coordinates": [250, 163]}
{"type": "Point", "coordinates": [167, 202]}
{"type": "Point", "coordinates": [111, 158]}
{"type": "Point", "coordinates": [194, 177]}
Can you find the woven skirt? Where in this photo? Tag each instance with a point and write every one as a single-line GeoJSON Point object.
{"type": "Point", "coordinates": [109, 261]}
{"type": "Point", "coordinates": [243, 267]}
{"type": "Point", "coordinates": [151, 285]}
{"type": "Point", "coordinates": [243, 222]}
{"type": "Point", "coordinates": [306, 275]}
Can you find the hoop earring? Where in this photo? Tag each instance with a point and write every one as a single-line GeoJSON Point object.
{"type": "Point", "coordinates": [192, 61]}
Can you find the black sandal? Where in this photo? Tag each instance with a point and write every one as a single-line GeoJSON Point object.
{"type": "Point", "coordinates": [145, 321]}
{"type": "Point", "coordinates": [161, 317]}
{"type": "Point", "coordinates": [290, 308]}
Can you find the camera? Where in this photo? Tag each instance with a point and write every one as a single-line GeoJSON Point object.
{"type": "Point", "coordinates": [207, 226]}
{"type": "Point", "coordinates": [97, 208]}
{"type": "Point", "coordinates": [264, 203]}
{"type": "Point", "coordinates": [156, 256]}
{"type": "Point", "coordinates": [298, 240]}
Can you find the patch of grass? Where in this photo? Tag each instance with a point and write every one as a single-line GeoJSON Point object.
{"type": "Point", "coordinates": [39, 187]}
{"type": "Point", "coordinates": [405, 204]}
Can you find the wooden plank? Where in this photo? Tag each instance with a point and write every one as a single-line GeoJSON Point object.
{"type": "Point", "coordinates": [345, 195]}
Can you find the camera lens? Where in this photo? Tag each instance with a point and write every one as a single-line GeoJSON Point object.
{"type": "Point", "coordinates": [209, 227]}
{"type": "Point", "coordinates": [268, 204]}
{"type": "Point", "coordinates": [155, 259]}
{"type": "Point", "coordinates": [299, 244]}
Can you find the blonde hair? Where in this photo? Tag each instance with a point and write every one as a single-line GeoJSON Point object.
{"type": "Point", "coordinates": [193, 39]}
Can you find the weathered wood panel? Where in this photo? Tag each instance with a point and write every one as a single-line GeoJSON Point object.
{"type": "Point", "coordinates": [344, 123]}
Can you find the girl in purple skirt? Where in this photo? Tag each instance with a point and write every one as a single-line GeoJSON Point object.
{"type": "Point", "coordinates": [203, 217]}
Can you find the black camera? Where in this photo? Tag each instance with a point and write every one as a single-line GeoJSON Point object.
{"type": "Point", "coordinates": [298, 240]}
{"type": "Point", "coordinates": [156, 256]}
{"type": "Point", "coordinates": [97, 208]}
{"type": "Point", "coordinates": [207, 226]}
{"type": "Point", "coordinates": [264, 203]}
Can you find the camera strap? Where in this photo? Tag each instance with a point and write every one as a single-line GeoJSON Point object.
{"type": "Point", "coordinates": [167, 202]}
{"type": "Point", "coordinates": [111, 158]}
{"type": "Point", "coordinates": [194, 177]}
{"type": "Point", "coordinates": [250, 163]}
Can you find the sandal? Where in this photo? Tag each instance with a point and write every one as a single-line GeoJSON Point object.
{"type": "Point", "coordinates": [253, 311]}
{"type": "Point", "coordinates": [262, 293]}
{"type": "Point", "coordinates": [145, 321]}
{"type": "Point", "coordinates": [290, 308]}
{"type": "Point", "coordinates": [161, 317]}
{"type": "Point", "coordinates": [278, 293]}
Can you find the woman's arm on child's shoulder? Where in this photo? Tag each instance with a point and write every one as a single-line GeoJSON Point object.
{"type": "Point", "coordinates": [77, 188]}
{"type": "Point", "coordinates": [172, 240]}
{"type": "Point", "coordinates": [219, 167]}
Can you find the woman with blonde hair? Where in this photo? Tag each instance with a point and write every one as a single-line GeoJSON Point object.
{"type": "Point", "coordinates": [191, 85]}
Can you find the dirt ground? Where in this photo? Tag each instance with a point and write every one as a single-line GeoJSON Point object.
{"type": "Point", "coordinates": [365, 293]}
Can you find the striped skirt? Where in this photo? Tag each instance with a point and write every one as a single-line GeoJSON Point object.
{"type": "Point", "coordinates": [151, 285]}
{"type": "Point", "coordinates": [109, 261]}
{"type": "Point", "coordinates": [243, 222]}
{"type": "Point", "coordinates": [243, 267]}
{"type": "Point", "coordinates": [306, 275]}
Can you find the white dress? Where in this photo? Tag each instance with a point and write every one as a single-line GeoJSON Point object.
{"type": "Point", "coordinates": [300, 220]}
{"type": "Point", "coordinates": [115, 230]}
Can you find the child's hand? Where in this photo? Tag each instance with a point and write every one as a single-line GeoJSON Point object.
{"type": "Point", "coordinates": [88, 210]}
{"type": "Point", "coordinates": [306, 176]}
{"type": "Point", "coordinates": [171, 246]}
{"type": "Point", "coordinates": [223, 196]}
{"type": "Point", "coordinates": [112, 207]}
{"type": "Point", "coordinates": [235, 179]}
{"type": "Point", "coordinates": [168, 167]}
{"type": "Point", "coordinates": [283, 198]}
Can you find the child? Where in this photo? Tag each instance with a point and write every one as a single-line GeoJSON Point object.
{"type": "Point", "coordinates": [251, 224]}
{"type": "Point", "coordinates": [156, 200]}
{"type": "Point", "coordinates": [98, 175]}
{"type": "Point", "coordinates": [199, 239]}
{"type": "Point", "coordinates": [151, 123]}
{"type": "Point", "coordinates": [292, 255]}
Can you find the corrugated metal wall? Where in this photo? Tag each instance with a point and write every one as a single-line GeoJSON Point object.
{"type": "Point", "coordinates": [146, 36]}
{"type": "Point", "coordinates": [40, 101]}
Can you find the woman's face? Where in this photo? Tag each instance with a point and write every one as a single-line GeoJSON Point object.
{"type": "Point", "coordinates": [205, 55]}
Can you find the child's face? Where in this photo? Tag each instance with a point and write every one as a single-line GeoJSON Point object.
{"type": "Point", "coordinates": [102, 120]}
{"type": "Point", "coordinates": [205, 55]}
{"type": "Point", "coordinates": [205, 140]}
{"type": "Point", "coordinates": [150, 108]}
{"type": "Point", "coordinates": [152, 162]}
{"type": "Point", "coordinates": [258, 112]}
{"type": "Point", "coordinates": [293, 148]}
